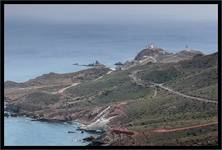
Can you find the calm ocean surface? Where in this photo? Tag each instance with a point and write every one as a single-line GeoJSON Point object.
{"type": "Point", "coordinates": [21, 131]}
{"type": "Point", "coordinates": [33, 48]}
{"type": "Point", "coordinates": [39, 40]}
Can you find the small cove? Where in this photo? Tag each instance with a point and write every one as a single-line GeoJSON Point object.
{"type": "Point", "coordinates": [22, 131]}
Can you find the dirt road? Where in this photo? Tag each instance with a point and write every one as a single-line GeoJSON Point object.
{"type": "Point", "coordinates": [65, 88]}
{"type": "Point", "coordinates": [184, 128]}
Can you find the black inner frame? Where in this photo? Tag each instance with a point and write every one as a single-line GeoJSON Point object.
{"type": "Point", "coordinates": [4, 2]}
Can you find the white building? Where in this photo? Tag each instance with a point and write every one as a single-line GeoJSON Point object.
{"type": "Point", "coordinates": [151, 45]}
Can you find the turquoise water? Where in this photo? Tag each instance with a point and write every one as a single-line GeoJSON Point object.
{"type": "Point", "coordinates": [21, 131]}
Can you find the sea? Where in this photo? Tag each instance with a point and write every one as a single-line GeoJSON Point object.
{"type": "Point", "coordinates": [22, 131]}
{"type": "Point", "coordinates": [35, 48]}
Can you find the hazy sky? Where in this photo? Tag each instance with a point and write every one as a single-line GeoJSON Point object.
{"type": "Point", "coordinates": [110, 13]}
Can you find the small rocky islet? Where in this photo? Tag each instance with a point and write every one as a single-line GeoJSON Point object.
{"type": "Point", "coordinates": [156, 99]}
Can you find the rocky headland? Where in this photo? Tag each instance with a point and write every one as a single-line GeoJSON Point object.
{"type": "Point", "coordinates": [156, 90]}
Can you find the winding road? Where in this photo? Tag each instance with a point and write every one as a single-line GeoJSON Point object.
{"type": "Point", "coordinates": [139, 82]}
{"type": "Point", "coordinates": [183, 95]}
{"type": "Point", "coordinates": [65, 88]}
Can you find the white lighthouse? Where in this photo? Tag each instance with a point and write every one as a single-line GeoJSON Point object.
{"type": "Point", "coordinates": [151, 46]}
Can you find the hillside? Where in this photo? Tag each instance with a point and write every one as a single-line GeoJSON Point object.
{"type": "Point", "coordinates": [158, 103]}
{"type": "Point", "coordinates": [163, 56]}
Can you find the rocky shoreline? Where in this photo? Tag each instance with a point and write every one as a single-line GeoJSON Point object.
{"type": "Point", "coordinates": [90, 125]}
{"type": "Point", "coordinates": [93, 140]}
{"type": "Point", "coordinates": [94, 97]}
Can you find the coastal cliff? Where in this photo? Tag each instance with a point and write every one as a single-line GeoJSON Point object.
{"type": "Point", "coordinates": [157, 90]}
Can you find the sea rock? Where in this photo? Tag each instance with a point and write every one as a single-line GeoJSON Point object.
{"type": "Point", "coordinates": [90, 138]}
{"type": "Point", "coordinates": [71, 132]}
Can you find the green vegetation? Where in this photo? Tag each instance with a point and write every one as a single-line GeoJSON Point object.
{"type": "Point", "coordinates": [111, 88]}
{"type": "Point", "coordinates": [168, 111]}
{"type": "Point", "coordinates": [147, 108]}
{"type": "Point", "coordinates": [161, 75]}
{"type": "Point", "coordinates": [41, 98]}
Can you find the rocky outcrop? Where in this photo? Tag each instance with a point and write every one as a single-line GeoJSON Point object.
{"type": "Point", "coordinates": [151, 52]}
{"type": "Point", "coordinates": [115, 104]}
{"type": "Point", "coordinates": [159, 55]}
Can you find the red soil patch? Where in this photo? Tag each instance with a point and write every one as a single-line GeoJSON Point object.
{"type": "Point", "coordinates": [122, 131]}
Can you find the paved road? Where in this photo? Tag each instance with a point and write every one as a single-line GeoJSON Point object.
{"type": "Point", "coordinates": [184, 95]}
{"type": "Point", "coordinates": [139, 82]}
